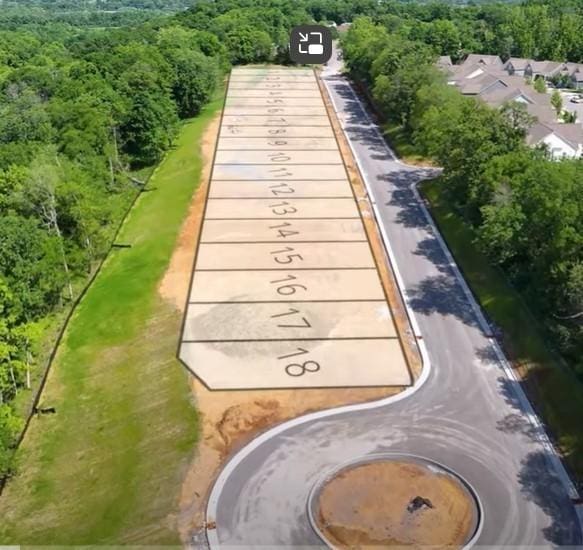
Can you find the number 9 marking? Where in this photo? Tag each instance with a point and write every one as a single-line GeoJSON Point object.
{"type": "Point", "coordinates": [297, 369]}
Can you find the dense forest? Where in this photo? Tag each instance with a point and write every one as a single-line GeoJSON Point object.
{"type": "Point", "coordinates": [86, 105]}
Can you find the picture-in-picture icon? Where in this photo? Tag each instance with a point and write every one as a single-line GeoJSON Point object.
{"type": "Point", "coordinates": [310, 44]}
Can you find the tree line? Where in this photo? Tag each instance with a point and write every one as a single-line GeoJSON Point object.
{"type": "Point", "coordinates": [533, 29]}
{"type": "Point", "coordinates": [525, 208]}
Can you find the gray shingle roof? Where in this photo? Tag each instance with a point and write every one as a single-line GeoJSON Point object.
{"type": "Point", "coordinates": [537, 133]}
{"type": "Point", "coordinates": [543, 113]}
{"type": "Point", "coordinates": [545, 68]}
{"type": "Point", "coordinates": [483, 59]}
{"type": "Point", "coordinates": [518, 63]}
{"type": "Point", "coordinates": [572, 134]}
{"type": "Point", "coordinates": [444, 61]}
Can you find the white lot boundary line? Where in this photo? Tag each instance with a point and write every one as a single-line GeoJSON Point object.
{"type": "Point", "coordinates": [551, 455]}
{"type": "Point", "coordinates": [233, 463]}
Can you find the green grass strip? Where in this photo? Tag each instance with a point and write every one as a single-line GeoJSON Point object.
{"type": "Point", "coordinates": [108, 467]}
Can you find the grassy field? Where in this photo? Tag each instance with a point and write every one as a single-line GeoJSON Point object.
{"type": "Point", "coordinates": [107, 467]}
{"type": "Point", "coordinates": [555, 392]}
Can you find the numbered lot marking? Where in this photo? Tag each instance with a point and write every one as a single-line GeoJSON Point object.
{"type": "Point", "coordinates": [229, 130]}
{"type": "Point", "coordinates": [273, 102]}
{"type": "Point", "coordinates": [260, 286]}
{"type": "Point", "coordinates": [285, 291]}
{"type": "Point", "coordinates": [279, 157]}
{"type": "Point", "coordinates": [276, 120]}
{"type": "Point", "coordinates": [276, 231]}
{"type": "Point", "coordinates": [269, 94]}
{"type": "Point", "coordinates": [276, 144]}
{"type": "Point", "coordinates": [254, 172]}
{"type": "Point", "coordinates": [298, 363]}
{"type": "Point", "coordinates": [289, 320]}
{"type": "Point", "coordinates": [282, 207]}
{"type": "Point", "coordinates": [270, 110]}
{"type": "Point", "coordinates": [270, 189]}
{"type": "Point", "coordinates": [345, 255]}
{"type": "Point", "coordinates": [234, 85]}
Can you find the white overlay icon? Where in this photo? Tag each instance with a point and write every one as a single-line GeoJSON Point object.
{"type": "Point", "coordinates": [313, 49]}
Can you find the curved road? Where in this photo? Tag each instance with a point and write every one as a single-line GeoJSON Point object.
{"type": "Point", "coordinates": [466, 415]}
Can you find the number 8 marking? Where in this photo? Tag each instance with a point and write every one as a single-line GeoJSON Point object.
{"type": "Point", "coordinates": [297, 369]}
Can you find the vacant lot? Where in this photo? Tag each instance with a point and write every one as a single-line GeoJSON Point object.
{"type": "Point", "coordinates": [108, 467]}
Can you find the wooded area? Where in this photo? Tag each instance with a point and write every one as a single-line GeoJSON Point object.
{"type": "Point", "coordinates": [82, 112]}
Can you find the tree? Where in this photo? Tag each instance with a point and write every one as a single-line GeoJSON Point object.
{"type": "Point", "coordinates": [24, 118]}
{"type": "Point", "coordinates": [361, 46]}
{"type": "Point", "coordinates": [569, 117]}
{"type": "Point", "coordinates": [557, 101]}
{"type": "Point", "coordinates": [195, 80]}
{"type": "Point", "coordinates": [40, 195]}
{"type": "Point", "coordinates": [517, 116]}
{"type": "Point", "coordinates": [151, 121]}
{"type": "Point", "coordinates": [540, 85]}
{"type": "Point", "coordinates": [396, 94]}
{"type": "Point", "coordinates": [445, 37]}
{"type": "Point", "coordinates": [248, 45]}
{"type": "Point", "coordinates": [30, 261]}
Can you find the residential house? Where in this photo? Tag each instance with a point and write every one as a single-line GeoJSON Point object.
{"type": "Point", "coordinates": [516, 66]}
{"type": "Point", "coordinates": [488, 60]}
{"type": "Point", "coordinates": [537, 105]}
{"type": "Point", "coordinates": [444, 62]}
{"type": "Point", "coordinates": [480, 84]}
{"type": "Point", "coordinates": [473, 75]}
{"type": "Point", "coordinates": [561, 140]}
{"type": "Point", "coordinates": [543, 69]}
{"type": "Point", "coordinates": [577, 79]}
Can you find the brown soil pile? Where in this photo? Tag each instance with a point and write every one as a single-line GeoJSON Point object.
{"type": "Point", "coordinates": [367, 506]}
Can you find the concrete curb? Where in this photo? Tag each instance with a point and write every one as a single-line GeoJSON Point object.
{"type": "Point", "coordinates": [553, 459]}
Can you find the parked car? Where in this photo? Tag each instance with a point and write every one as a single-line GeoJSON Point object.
{"type": "Point", "coordinates": [577, 99]}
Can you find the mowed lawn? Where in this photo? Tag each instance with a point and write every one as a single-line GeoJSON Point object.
{"type": "Point", "coordinates": [556, 394]}
{"type": "Point", "coordinates": [107, 468]}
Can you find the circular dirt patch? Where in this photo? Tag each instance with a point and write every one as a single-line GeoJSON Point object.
{"type": "Point", "coordinates": [401, 501]}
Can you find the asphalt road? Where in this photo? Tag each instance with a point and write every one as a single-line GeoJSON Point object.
{"type": "Point", "coordinates": [466, 415]}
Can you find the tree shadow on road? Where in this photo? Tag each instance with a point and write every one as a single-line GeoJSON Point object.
{"type": "Point", "coordinates": [543, 487]}
{"type": "Point", "coordinates": [410, 213]}
{"type": "Point", "coordinates": [430, 248]}
{"type": "Point", "coordinates": [442, 294]}
{"type": "Point", "coordinates": [515, 423]}
{"type": "Point", "coordinates": [351, 105]}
